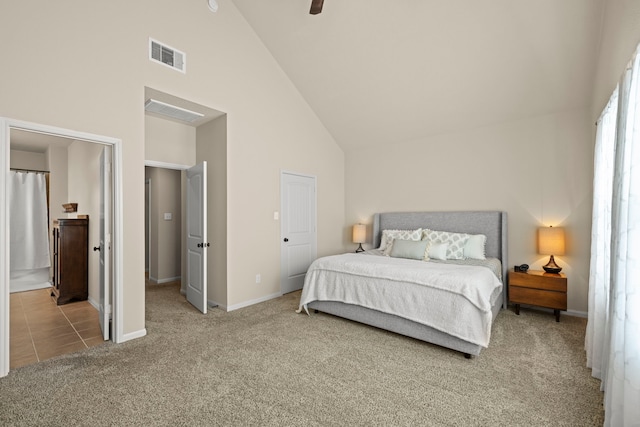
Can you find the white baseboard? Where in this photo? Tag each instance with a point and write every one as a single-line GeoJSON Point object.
{"type": "Point", "coordinates": [133, 335]}
{"type": "Point", "coordinates": [210, 303]}
{"type": "Point", "coordinates": [252, 302]}
{"type": "Point", "coordinates": [574, 313]}
{"type": "Point", "coordinates": [94, 304]}
{"type": "Point", "coordinates": [170, 279]}
{"type": "Point", "coordinates": [167, 280]}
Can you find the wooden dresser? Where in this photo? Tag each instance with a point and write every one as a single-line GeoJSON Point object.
{"type": "Point", "coordinates": [537, 287]}
{"type": "Point", "coordinates": [70, 260]}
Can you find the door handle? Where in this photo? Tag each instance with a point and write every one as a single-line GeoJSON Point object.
{"type": "Point", "coordinates": [286, 240]}
{"type": "Point", "coordinates": [96, 248]}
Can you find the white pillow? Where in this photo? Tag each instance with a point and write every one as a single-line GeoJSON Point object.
{"type": "Point", "coordinates": [456, 241]}
{"type": "Point", "coordinates": [389, 235]}
{"type": "Point", "coordinates": [438, 251]}
{"type": "Point", "coordinates": [474, 248]}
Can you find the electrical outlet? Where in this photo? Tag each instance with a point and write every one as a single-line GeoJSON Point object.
{"type": "Point", "coordinates": [258, 278]}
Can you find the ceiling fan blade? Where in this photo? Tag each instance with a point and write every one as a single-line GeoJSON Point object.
{"type": "Point", "coordinates": [316, 6]}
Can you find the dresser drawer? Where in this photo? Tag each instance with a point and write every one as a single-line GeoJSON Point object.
{"type": "Point", "coordinates": [539, 297]}
{"type": "Point", "coordinates": [551, 282]}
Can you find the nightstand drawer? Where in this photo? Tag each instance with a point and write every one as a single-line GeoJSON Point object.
{"type": "Point", "coordinates": [542, 298]}
{"type": "Point", "coordinates": [552, 282]}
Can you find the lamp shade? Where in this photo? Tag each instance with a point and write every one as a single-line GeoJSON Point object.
{"type": "Point", "coordinates": [359, 233]}
{"type": "Point", "coordinates": [551, 241]}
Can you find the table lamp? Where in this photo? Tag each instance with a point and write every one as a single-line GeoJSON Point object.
{"type": "Point", "coordinates": [359, 236]}
{"type": "Point", "coordinates": [551, 242]}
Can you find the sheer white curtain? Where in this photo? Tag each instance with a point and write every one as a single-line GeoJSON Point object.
{"type": "Point", "coordinates": [29, 242]}
{"type": "Point", "coordinates": [600, 271]}
{"type": "Point", "coordinates": [613, 331]}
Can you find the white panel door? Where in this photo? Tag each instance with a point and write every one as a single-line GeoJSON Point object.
{"type": "Point", "coordinates": [298, 229]}
{"type": "Point", "coordinates": [104, 305]}
{"type": "Point", "coordinates": [197, 236]}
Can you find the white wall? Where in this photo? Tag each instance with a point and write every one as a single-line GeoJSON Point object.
{"type": "Point", "coordinates": [169, 142]}
{"type": "Point", "coordinates": [84, 189]}
{"type": "Point", "coordinates": [538, 170]}
{"type": "Point", "coordinates": [620, 35]}
{"type": "Point", "coordinates": [28, 160]}
{"type": "Point", "coordinates": [165, 235]}
{"type": "Point", "coordinates": [95, 83]}
{"type": "Point", "coordinates": [151, 221]}
{"type": "Point", "coordinates": [212, 148]}
{"type": "Point", "coordinates": [57, 165]}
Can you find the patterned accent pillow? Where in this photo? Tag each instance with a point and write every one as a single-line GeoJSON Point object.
{"type": "Point", "coordinates": [389, 235]}
{"type": "Point", "coordinates": [456, 241]}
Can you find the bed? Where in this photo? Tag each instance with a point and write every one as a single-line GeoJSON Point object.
{"type": "Point", "coordinates": [334, 285]}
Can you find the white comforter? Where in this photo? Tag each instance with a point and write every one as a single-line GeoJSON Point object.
{"type": "Point", "coordinates": [454, 299]}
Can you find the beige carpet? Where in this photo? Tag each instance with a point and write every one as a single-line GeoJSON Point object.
{"type": "Point", "coordinates": [267, 365]}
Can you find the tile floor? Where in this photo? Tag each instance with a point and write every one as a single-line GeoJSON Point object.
{"type": "Point", "coordinates": [40, 329]}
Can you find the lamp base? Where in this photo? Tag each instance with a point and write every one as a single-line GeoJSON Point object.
{"type": "Point", "coordinates": [359, 248]}
{"type": "Point", "coordinates": [552, 267]}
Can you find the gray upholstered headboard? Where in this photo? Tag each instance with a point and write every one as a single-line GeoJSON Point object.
{"type": "Point", "coordinates": [492, 224]}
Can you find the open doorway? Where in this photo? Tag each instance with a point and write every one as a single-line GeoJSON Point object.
{"type": "Point", "coordinates": [163, 232]}
{"type": "Point", "coordinates": [61, 140]}
{"type": "Point", "coordinates": [176, 232]}
{"type": "Point", "coordinates": [50, 317]}
{"type": "Point", "coordinates": [176, 142]}
{"type": "Point", "coordinates": [163, 224]}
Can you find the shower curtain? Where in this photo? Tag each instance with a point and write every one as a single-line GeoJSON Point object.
{"type": "Point", "coordinates": [29, 241]}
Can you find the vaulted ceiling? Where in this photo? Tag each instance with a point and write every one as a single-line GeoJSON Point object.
{"type": "Point", "coordinates": [384, 72]}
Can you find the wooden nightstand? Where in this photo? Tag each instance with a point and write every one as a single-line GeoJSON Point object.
{"type": "Point", "coordinates": [537, 287]}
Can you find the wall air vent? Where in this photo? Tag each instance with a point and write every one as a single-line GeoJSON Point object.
{"type": "Point", "coordinates": [172, 111]}
{"type": "Point", "coordinates": [167, 56]}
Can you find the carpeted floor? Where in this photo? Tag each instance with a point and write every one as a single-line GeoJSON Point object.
{"type": "Point", "coordinates": [267, 365]}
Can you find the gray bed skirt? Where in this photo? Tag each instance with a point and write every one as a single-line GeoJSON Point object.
{"type": "Point", "coordinates": [399, 325]}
